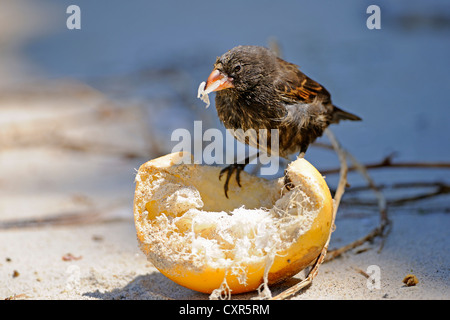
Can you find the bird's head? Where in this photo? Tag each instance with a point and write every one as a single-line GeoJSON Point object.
{"type": "Point", "coordinates": [242, 68]}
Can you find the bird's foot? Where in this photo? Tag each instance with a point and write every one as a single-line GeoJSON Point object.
{"type": "Point", "coordinates": [229, 170]}
{"type": "Point", "coordinates": [287, 182]}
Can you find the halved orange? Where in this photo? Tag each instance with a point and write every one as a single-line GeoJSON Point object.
{"type": "Point", "coordinates": [262, 233]}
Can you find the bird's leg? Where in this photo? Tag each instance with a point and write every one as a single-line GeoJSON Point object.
{"type": "Point", "coordinates": [287, 181]}
{"type": "Point", "coordinates": [238, 167]}
{"type": "Point", "coordinates": [301, 155]}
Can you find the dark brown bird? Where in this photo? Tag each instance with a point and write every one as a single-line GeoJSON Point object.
{"type": "Point", "coordinates": [255, 89]}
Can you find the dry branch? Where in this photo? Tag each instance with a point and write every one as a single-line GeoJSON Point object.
{"type": "Point", "coordinates": [337, 199]}
{"type": "Point", "coordinates": [378, 231]}
{"type": "Point", "coordinates": [87, 216]}
{"type": "Point", "coordinates": [388, 163]}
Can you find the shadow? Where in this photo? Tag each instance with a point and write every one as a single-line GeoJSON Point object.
{"type": "Point", "coordinates": [152, 286]}
{"type": "Point", "coordinates": [155, 286]}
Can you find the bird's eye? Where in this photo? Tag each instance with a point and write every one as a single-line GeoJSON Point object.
{"type": "Point", "coordinates": [237, 68]}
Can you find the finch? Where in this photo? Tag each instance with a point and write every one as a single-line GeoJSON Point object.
{"type": "Point", "coordinates": [255, 89]}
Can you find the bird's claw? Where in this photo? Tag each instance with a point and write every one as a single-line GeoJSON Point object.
{"type": "Point", "coordinates": [229, 170]}
{"type": "Point", "coordinates": [287, 182]}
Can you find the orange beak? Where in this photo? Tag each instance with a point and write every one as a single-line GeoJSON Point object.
{"type": "Point", "coordinates": [218, 81]}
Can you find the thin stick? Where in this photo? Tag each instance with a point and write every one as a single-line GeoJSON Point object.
{"type": "Point", "coordinates": [382, 206]}
{"type": "Point", "coordinates": [87, 216]}
{"type": "Point", "coordinates": [380, 197]}
{"type": "Point", "coordinates": [406, 185]}
{"type": "Point", "coordinates": [337, 199]}
{"type": "Point", "coordinates": [387, 163]}
{"type": "Point", "coordinates": [439, 188]}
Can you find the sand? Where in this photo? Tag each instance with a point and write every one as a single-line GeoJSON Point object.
{"type": "Point", "coordinates": [107, 264]}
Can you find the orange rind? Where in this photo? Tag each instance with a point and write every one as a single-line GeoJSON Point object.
{"type": "Point", "coordinates": [262, 234]}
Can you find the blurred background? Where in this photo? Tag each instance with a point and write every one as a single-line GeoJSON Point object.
{"type": "Point", "coordinates": [80, 110]}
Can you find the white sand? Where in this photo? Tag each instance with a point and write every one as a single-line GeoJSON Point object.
{"type": "Point", "coordinates": [112, 267]}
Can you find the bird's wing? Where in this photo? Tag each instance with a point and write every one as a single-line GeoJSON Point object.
{"type": "Point", "coordinates": [295, 87]}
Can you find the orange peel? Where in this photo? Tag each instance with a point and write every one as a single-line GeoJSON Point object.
{"type": "Point", "coordinates": [262, 234]}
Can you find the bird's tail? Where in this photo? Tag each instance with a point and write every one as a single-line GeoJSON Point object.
{"type": "Point", "coordinates": [340, 114]}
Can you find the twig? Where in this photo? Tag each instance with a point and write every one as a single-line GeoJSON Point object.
{"type": "Point", "coordinates": [305, 282]}
{"type": "Point", "coordinates": [399, 201]}
{"type": "Point", "coordinates": [439, 188]}
{"type": "Point", "coordinates": [387, 163]}
{"type": "Point", "coordinates": [382, 206]}
{"type": "Point", "coordinates": [18, 296]}
{"type": "Point", "coordinates": [274, 46]}
{"type": "Point", "coordinates": [360, 271]}
{"type": "Point", "coordinates": [381, 230]}
{"type": "Point", "coordinates": [337, 199]}
{"type": "Point", "coordinates": [332, 254]}
{"type": "Point", "coordinates": [405, 185]}
{"type": "Point", "coordinates": [61, 219]}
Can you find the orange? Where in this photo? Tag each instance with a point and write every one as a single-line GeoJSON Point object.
{"type": "Point", "coordinates": [262, 234]}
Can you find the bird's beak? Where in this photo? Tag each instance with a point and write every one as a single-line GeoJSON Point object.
{"type": "Point", "coordinates": [218, 81]}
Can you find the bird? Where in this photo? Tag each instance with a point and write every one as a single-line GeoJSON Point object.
{"type": "Point", "coordinates": [256, 89]}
